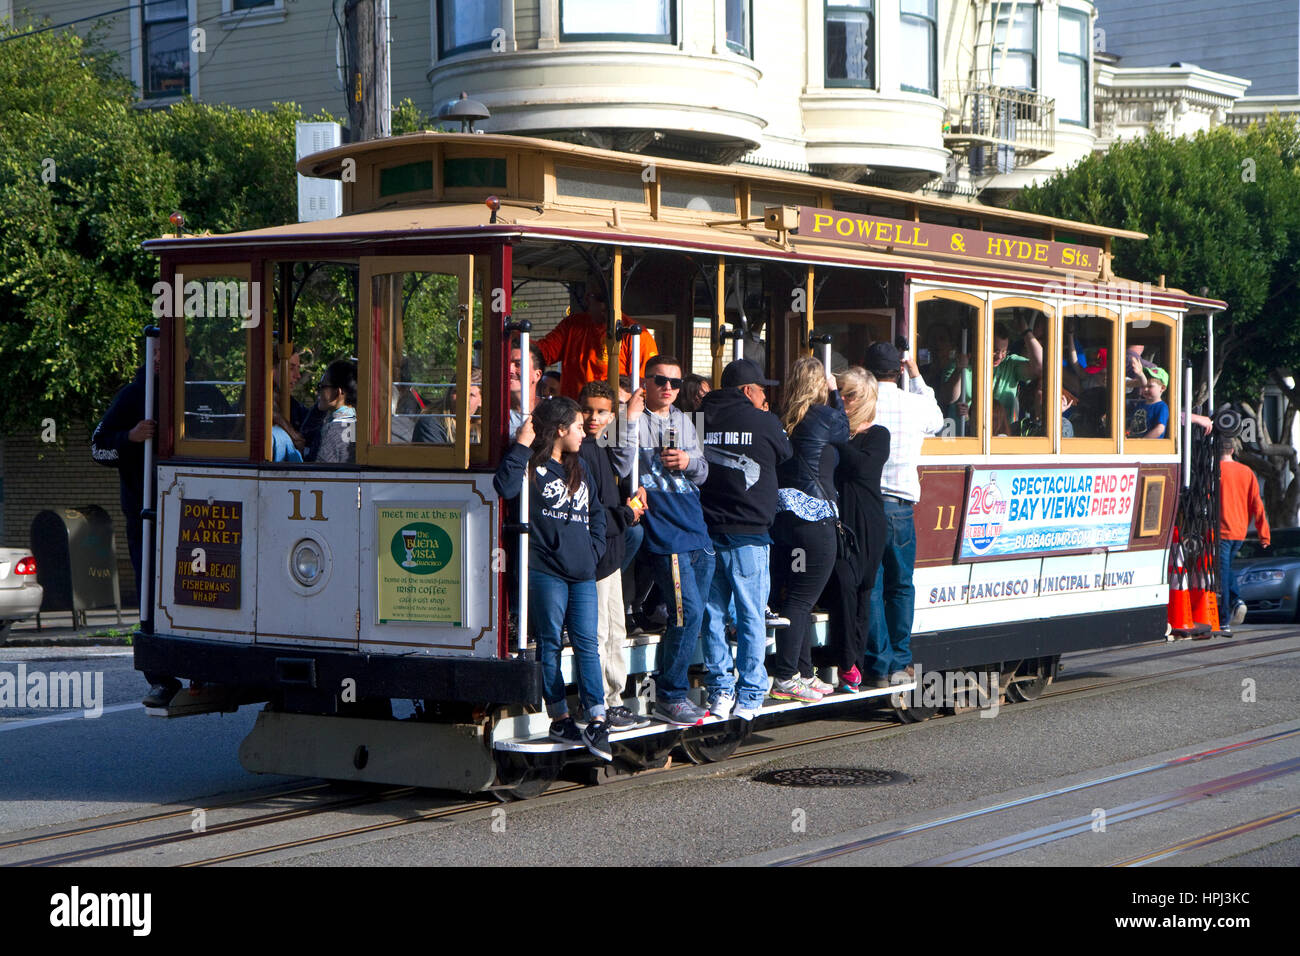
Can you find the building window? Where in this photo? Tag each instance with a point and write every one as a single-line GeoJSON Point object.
{"type": "Point", "coordinates": [251, 4]}
{"type": "Point", "coordinates": [647, 21]}
{"type": "Point", "coordinates": [740, 27]}
{"type": "Point", "coordinates": [466, 25]}
{"type": "Point", "coordinates": [1074, 76]}
{"type": "Point", "coordinates": [1016, 64]}
{"type": "Point", "coordinates": [850, 43]}
{"type": "Point", "coordinates": [920, 29]}
{"type": "Point", "coordinates": [165, 51]}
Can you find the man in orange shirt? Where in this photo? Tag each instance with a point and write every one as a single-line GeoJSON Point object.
{"type": "Point", "coordinates": [1239, 504]}
{"type": "Point", "coordinates": [579, 343]}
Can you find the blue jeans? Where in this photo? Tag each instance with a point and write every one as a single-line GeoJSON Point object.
{"type": "Point", "coordinates": [1227, 580]}
{"type": "Point", "coordinates": [554, 602]}
{"type": "Point", "coordinates": [740, 581]}
{"type": "Point", "coordinates": [893, 599]}
{"type": "Point", "coordinates": [685, 614]}
{"type": "Point", "coordinates": [632, 538]}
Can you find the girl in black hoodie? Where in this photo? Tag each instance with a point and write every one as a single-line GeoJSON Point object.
{"type": "Point", "coordinates": [566, 538]}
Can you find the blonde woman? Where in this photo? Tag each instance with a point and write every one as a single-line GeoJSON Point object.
{"type": "Point", "coordinates": [805, 531]}
{"type": "Point", "coordinates": [862, 514]}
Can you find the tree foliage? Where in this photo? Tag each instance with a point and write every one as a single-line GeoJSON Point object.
{"type": "Point", "coordinates": [1222, 209]}
{"type": "Point", "coordinates": [86, 176]}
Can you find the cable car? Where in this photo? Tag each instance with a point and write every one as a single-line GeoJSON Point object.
{"type": "Point", "coordinates": [377, 572]}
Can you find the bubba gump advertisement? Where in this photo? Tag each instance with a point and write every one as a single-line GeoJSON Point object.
{"type": "Point", "coordinates": [1012, 512]}
{"type": "Point", "coordinates": [209, 546]}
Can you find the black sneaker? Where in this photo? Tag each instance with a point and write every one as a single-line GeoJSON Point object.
{"type": "Point", "coordinates": [620, 718]}
{"type": "Point", "coordinates": [566, 731]}
{"type": "Point", "coordinates": [774, 620]}
{"type": "Point", "coordinates": [596, 737]}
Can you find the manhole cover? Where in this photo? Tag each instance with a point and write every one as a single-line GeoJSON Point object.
{"type": "Point", "coordinates": [831, 777]}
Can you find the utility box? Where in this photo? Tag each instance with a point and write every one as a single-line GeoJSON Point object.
{"type": "Point", "coordinates": [76, 560]}
{"type": "Point", "coordinates": [318, 198]}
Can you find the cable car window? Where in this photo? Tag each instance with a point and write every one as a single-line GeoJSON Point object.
{"type": "Point", "coordinates": [697, 195]}
{"type": "Point", "coordinates": [1149, 371]}
{"type": "Point", "coordinates": [215, 308]}
{"type": "Point", "coordinates": [610, 184]}
{"type": "Point", "coordinates": [947, 343]}
{"type": "Point", "coordinates": [1020, 342]}
{"type": "Point", "coordinates": [1087, 378]}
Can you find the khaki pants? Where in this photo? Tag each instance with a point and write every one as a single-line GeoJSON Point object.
{"type": "Point", "coordinates": [611, 630]}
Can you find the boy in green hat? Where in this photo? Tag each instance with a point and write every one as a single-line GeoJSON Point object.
{"type": "Point", "coordinates": [1150, 419]}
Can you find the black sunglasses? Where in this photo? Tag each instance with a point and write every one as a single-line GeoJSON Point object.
{"type": "Point", "coordinates": [662, 380]}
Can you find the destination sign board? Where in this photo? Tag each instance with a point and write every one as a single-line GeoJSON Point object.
{"type": "Point", "coordinates": [901, 235]}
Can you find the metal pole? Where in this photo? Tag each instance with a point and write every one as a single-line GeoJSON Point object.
{"type": "Point", "coordinates": [1187, 426]}
{"type": "Point", "coordinates": [146, 516]}
{"type": "Point", "coordinates": [1209, 361]}
{"type": "Point", "coordinates": [636, 383]}
{"type": "Point", "coordinates": [962, 397]}
{"type": "Point", "coordinates": [526, 407]}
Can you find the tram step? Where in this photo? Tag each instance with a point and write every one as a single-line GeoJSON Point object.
{"type": "Point", "coordinates": [528, 733]}
{"type": "Point", "coordinates": [643, 649]}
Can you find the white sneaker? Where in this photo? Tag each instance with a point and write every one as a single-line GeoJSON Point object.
{"type": "Point", "coordinates": [746, 713]}
{"type": "Point", "coordinates": [819, 685]}
{"type": "Point", "coordinates": [720, 705]}
{"type": "Point", "coordinates": [1238, 612]}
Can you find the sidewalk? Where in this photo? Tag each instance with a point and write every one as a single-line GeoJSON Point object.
{"type": "Point", "coordinates": [57, 630]}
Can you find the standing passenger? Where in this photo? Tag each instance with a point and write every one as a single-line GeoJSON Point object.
{"type": "Point", "coordinates": [621, 513]}
{"type": "Point", "coordinates": [862, 513]}
{"type": "Point", "coordinates": [909, 417]}
{"type": "Point", "coordinates": [681, 554]}
{"type": "Point", "coordinates": [1239, 504]}
{"type": "Point", "coordinates": [566, 539]}
{"type": "Point", "coordinates": [579, 343]}
{"type": "Point", "coordinates": [743, 446]}
{"type": "Point", "coordinates": [805, 526]}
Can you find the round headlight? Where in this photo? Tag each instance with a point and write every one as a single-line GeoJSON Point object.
{"type": "Point", "coordinates": [307, 562]}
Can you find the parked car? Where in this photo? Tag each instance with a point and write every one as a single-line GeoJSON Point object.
{"type": "Point", "coordinates": [1268, 579]}
{"type": "Point", "coordinates": [20, 595]}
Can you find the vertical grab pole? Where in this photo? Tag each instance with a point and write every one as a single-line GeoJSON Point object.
{"type": "Point", "coordinates": [526, 407]}
{"type": "Point", "coordinates": [636, 383]}
{"type": "Point", "coordinates": [1209, 361]}
{"type": "Point", "coordinates": [825, 342]}
{"type": "Point", "coordinates": [962, 397]}
{"type": "Point", "coordinates": [151, 334]}
{"type": "Point", "coordinates": [1187, 426]}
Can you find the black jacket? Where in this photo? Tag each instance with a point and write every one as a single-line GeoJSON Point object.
{"type": "Point", "coordinates": [811, 470]}
{"type": "Point", "coordinates": [743, 446]}
{"type": "Point", "coordinates": [862, 509]}
{"type": "Point", "coordinates": [109, 445]}
{"type": "Point", "coordinates": [566, 533]}
{"type": "Point", "coordinates": [617, 515]}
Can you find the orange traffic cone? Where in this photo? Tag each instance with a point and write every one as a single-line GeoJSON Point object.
{"type": "Point", "coordinates": [1181, 621]}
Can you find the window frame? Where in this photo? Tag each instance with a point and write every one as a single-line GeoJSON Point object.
{"type": "Point", "coordinates": [871, 83]}
{"type": "Point", "coordinates": [1029, 444]}
{"type": "Point", "coordinates": [933, 22]}
{"type": "Point", "coordinates": [1097, 446]}
{"type": "Point", "coordinates": [747, 51]}
{"type": "Point", "coordinates": [445, 51]}
{"type": "Point", "coordinates": [966, 445]}
{"type": "Point", "coordinates": [1168, 444]}
{"type": "Point", "coordinates": [146, 22]}
{"type": "Point", "coordinates": [225, 449]}
{"type": "Point", "coordinates": [669, 38]}
{"type": "Point", "coordinates": [373, 394]}
{"type": "Point", "coordinates": [1032, 52]}
{"type": "Point", "coordinates": [1086, 59]}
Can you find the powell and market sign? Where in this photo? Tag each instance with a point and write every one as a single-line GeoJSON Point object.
{"type": "Point", "coordinates": [905, 236]}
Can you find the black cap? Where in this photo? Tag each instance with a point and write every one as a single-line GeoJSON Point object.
{"type": "Point", "coordinates": [744, 372]}
{"type": "Point", "coordinates": [883, 357]}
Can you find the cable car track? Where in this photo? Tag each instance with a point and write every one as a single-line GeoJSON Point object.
{"type": "Point", "coordinates": [675, 772]}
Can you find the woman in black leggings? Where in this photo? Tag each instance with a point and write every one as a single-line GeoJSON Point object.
{"type": "Point", "coordinates": [862, 512]}
{"type": "Point", "coordinates": [804, 530]}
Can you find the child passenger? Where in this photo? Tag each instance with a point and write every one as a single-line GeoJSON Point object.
{"type": "Point", "coordinates": [621, 512]}
{"type": "Point", "coordinates": [566, 540]}
{"type": "Point", "coordinates": [1150, 418]}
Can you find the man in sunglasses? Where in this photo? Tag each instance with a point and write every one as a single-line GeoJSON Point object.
{"type": "Point", "coordinates": [579, 343]}
{"type": "Point", "coordinates": [679, 548]}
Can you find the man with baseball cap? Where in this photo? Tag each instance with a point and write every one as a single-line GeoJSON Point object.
{"type": "Point", "coordinates": [910, 416]}
{"type": "Point", "coordinates": [743, 445]}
